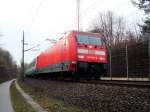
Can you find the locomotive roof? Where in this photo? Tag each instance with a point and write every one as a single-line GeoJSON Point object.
{"type": "Point", "coordinates": [87, 33]}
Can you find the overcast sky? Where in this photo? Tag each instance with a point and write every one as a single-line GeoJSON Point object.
{"type": "Point", "coordinates": [52, 18]}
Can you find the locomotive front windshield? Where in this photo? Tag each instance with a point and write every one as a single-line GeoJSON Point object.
{"type": "Point", "coordinates": [83, 39]}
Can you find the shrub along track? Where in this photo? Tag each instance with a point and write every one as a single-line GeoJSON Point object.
{"type": "Point", "coordinates": [94, 97]}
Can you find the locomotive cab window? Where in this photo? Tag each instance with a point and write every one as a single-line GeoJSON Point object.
{"type": "Point", "coordinates": [83, 39]}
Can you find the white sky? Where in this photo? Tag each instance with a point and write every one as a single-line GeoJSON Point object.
{"type": "Point", "coordinates": [54, 17]}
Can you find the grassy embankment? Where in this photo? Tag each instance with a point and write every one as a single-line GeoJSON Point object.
{"type": "Point", "coordinates": [18, 102]}
{"type": "Point", "coordinates": [51, 105]}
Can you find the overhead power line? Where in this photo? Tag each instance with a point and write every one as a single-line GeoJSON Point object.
{"type": "Point", "coordinates": [29, 15]}
{"type": "Point", "coordinates": [35, 14]}
{"type": "Point", "coordinates": [88, 10]}
{"type": "Point", "coordinates": [98, 3]}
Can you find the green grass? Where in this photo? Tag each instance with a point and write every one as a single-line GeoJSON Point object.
{"type": "Point", "coordinates": [51, 105]}
{"type": "Point", "coordinates": [18, 101]}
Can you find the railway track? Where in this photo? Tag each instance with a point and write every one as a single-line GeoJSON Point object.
{"type": "Point", "coordinates": [141, 84]}
{"type": "Point", "coordinates": [124, 96]}
{"type": "Point", "coordinates": [127, 83]}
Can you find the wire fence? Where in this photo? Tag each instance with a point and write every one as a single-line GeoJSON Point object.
{"type": "Point", "coordinates": [130, 61]}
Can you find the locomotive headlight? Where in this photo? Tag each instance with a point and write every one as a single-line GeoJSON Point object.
{"type": "Point", "coordinates": [73, 62]}
{"type": "Point", "coordinates": [83, 51]}
{"type": "Point", "coordinates": [101, 58]}
{"type": "Point", "coordinates": [100, 52]}
{"type": "Point", "coordinates": [80, 56]}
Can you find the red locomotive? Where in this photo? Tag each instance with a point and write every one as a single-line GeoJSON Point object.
{"type": "Point", "coordinates": [75, 55]}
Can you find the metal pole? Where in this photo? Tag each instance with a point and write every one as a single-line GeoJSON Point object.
{"type": "Point", "coordinates": [149, 57]}
{"type": "Point", "coordinates": [78, 14]}
{"type": "Point", "coordinates": [127, 62]}
{"type": "Point", "coordinates": [23, 57]}
{"type": "Point", "coordinates": [110, 63]}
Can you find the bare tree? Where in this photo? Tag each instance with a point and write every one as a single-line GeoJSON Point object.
{"type": "Point", "coordinates": [104, 25]}
{"type": "Point", "coordinates": [145, 28]}
{"type": "Point", "coordinates": [119, 30]}
{"type": "Point", "coordinates": [110, 27]}
{"type": "Point", "coordinates": [114, 29]}
{"type": "Point", "coordinates": [137, 33]}
{"type": "Point", "coordinates": [130, 36]}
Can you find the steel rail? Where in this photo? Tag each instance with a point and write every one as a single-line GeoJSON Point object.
{"type": "Point", "coordinates": [123, 83]}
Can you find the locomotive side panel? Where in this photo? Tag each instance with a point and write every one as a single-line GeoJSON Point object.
{"type": "Point", "coordinates": [59, 57]}
{"type": "Point", "coordinates": [49, 61]}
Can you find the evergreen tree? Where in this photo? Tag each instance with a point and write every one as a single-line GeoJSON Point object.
{"type": "Point", "coordinates": [144, 5]}
{"type": "Point", "coordinates": [8, 68]}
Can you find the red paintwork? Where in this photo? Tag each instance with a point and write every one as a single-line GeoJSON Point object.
{"type": "Point", "coordinates": [91, 57]}
{"type": "Point", "coordinates": [63, 50]}
{"type": "Point", "coordinates": [66, 50]}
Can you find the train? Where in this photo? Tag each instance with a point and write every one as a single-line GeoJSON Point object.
{"type": "Point", "coordinates": [76, 55]}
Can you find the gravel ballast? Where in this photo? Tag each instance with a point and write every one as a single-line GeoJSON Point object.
{"type": "Point", "coordinates": [94, 98]}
